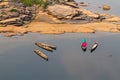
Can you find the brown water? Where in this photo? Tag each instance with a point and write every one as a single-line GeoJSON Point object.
{"type": "Point", "coordinates": [68, 62]}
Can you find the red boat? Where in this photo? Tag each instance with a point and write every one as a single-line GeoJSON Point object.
{"type": "Point", "coordinates": [84, 46]}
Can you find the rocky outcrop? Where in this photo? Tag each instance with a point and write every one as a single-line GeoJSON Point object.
{"type": "Point", "coordinates": [68, 12]}
{"type": "Point", "coordinates": [17, 14]}
{"type": "Point", "coordinates": [106, 7]}
{"type": "Point", "coordinates": [62, 11]}
{"type": "Point", "coordinates": [60, 1]}
{"type": "Point", "coordinates": [83, 4]}
{"type": "Point", "coordinates": [71, 4]}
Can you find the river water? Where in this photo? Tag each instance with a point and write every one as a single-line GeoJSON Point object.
{"type": "Point", "coordinates": [95, 4]}
{"type": "Point", "coordinates": [68, 62]}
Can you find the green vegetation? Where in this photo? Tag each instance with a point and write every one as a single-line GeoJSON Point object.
{"type": "Point", "coordinates": [13, 10]}
{"type": "Point", "coordinates": [39, 2]}
{"type": "Point", "coordinates": [28, 2]}
{"type": "Point", "coordinates": [43, 3]}
{"type": "Point", "coordinates": [3, 13]}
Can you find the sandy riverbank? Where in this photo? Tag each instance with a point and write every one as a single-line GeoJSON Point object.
{"type": "Point", "coordinates": [47, 24]}
{"type": "Point", "coordinates": [47, 28]}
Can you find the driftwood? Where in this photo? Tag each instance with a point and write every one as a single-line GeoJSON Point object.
{"type": "Point", "coordinates": [41, 54]}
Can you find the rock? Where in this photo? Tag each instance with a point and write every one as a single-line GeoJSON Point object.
{"type": "Point", "coordinates": [26, 18]}
{"type": "Point", "coordinates": [2, 6]}
{"type": "Point", "coordinates": [22, 10]}
{"type": "Point", "coordinates": [83, 4]}
{"type": "Point", "coordinates": [12, 21]}
{"type": "Point", "coordinates": [10, 34]}
{"type": "Point", "coordinates": [5, 17]}
{"type": "Point", "coordinates": [83, 17]}
{"type": "Point", "coordinates": [15, 23]}
{"type": "Point", "coordinates": [27, 12]}
{"type": "Point", "coordinates": [88, 13]}
{"type": "Point", "coordinates": [62, 11]}
{"type": "Point", "coordinates": [106, 7]}
{"type": "Point", "coordinates": [14, 14]}
{"type": "Point", "coordinates": [72, 4]}
{"type": "Point", "coordinates": [65, 1]}
{"type": "Point", "coordinates": [101, 18]}
{"type": "Point", "coordinates": [113, 19]}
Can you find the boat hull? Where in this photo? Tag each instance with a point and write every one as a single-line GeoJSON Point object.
{"type": "Point", "coordinates": [44, 47]}
{"type": "Point", "coordinates": [84, 48]}
{"type": "Point", "coordinates": [48, 45]}
{"type": "Point", "coordinates": [42, 55]}
{"type": "Point", "coordinates": [93, 47]}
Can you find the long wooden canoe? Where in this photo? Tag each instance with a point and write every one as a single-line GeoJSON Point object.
{"type": "Point", "coordinates": [44, 47]}
{"type": "Point", "coordinates": [48, 45]}
{"type": "Point", "coordinates": [41, 54]}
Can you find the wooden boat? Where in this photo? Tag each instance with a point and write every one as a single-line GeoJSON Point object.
{"type": "Point", "coordinates": [94, 46]}
{"type": "Point", "coordinates": [84, 48]}
{"type": "Point", "coordinates": [48, 45]}
{"type": "Point", "coordinates": [44, 47]}
{"type": "Point", "coordinates": [42, 55]}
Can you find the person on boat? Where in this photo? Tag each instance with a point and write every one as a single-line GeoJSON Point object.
{"type": "Point", "coordinates": [83, 40]}
{"type": "Point", "coordinates": [84, 44]}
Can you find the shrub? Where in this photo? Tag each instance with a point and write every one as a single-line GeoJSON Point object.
{"type": "Point", "coordinates": [45, 4]}
{"type": "Point", "coordinates": [13, 10]}
{"type": "Point", "coordinates": [39, 2]}
{"type": "Point", "coordinates": [28, 2]}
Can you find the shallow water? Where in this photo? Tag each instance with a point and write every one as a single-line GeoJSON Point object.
{"type": "Point", "coordinates": [68, 62]}
{"type": "Point", "coordinates": [95, 4]}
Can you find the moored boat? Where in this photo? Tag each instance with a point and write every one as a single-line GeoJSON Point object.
{"type": "Point", "coordinates": [41, 54]}
{"type": "Point", "coordinates": [48, 45]}
{"type": "Point", "coordinates": [44, 47]}
{"type": "Point", "coordinates": [84, 46]}
{"type": "Point", "coordinates": [94, 46]}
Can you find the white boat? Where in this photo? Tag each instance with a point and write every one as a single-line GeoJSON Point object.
{"type": "Point", "coordinates": [94, 46]}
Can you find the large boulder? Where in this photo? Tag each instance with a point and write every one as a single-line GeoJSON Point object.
{"type": "Point", "coordinates": [89, 13]}
{"type": "Point", "coordinates": [62, 11]}
{"type": "Point", "coordinates": [106, 7]}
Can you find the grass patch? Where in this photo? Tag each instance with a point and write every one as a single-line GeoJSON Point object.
{"type": "Point", "coordinates": [13, 10]}
{"type": "Point", "coordinates": [39, 2]}
{"type": "Point", "coordinates": [43, 3]}
{"type": "Point", "coordinates": [28, 2]}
